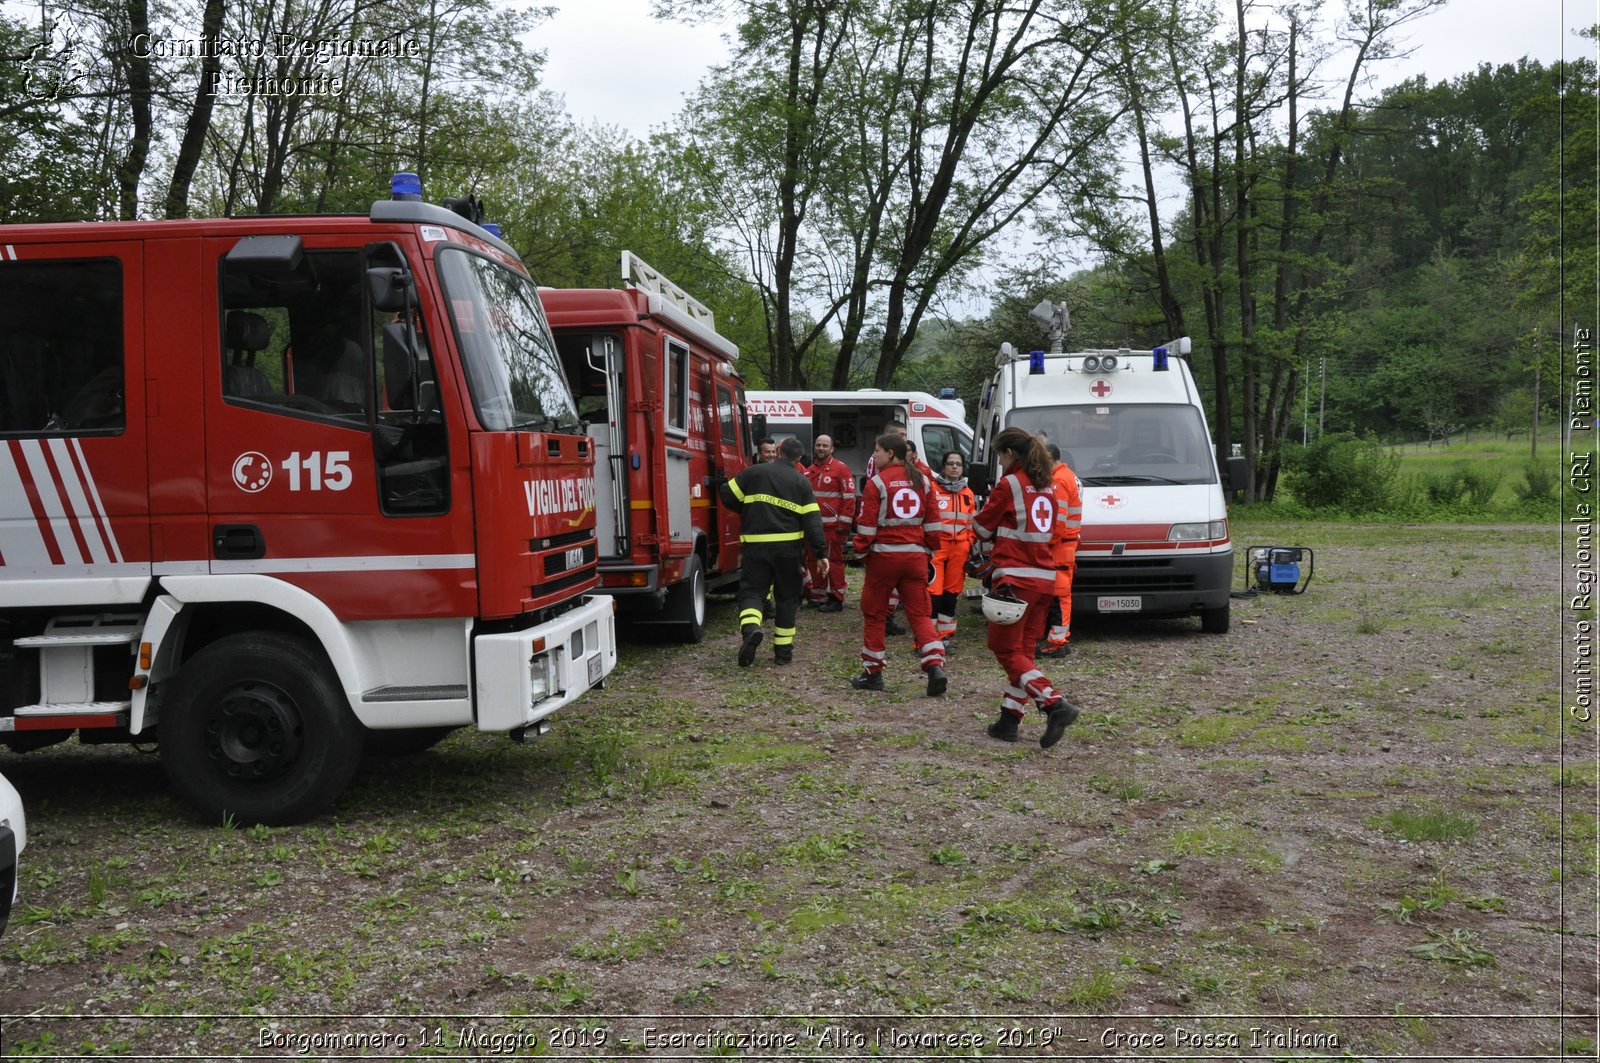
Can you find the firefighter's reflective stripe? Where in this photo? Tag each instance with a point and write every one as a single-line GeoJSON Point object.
{"type": "Point", "coordinates": [773, 537]}
{"type": "Point", "coordinates": [783, 636]}
{"type": "Point", "coordinates": [773, 500]}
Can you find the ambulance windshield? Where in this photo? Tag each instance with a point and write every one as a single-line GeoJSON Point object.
{"type": "Point", "coordinates": [513, 370]}
{"type": "Point", "coordinates": [1126, 444]}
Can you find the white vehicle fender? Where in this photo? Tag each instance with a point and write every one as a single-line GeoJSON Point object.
{"type": "Point", "coordinates": [310, 610]}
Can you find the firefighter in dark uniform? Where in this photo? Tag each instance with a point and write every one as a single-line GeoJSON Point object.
{"type": "Point", "coordinates": [778, 514]}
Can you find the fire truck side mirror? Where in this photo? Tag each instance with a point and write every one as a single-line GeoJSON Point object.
{"type": "Point", "coordinates": [758, 426]}
{"type": "Point", "coordinates": [391, 288]}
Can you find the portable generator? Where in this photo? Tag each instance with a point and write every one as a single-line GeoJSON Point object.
{"type": "Point", "coordinates": [1278, 569]}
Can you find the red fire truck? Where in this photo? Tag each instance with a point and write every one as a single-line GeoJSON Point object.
{"type": "Point", "coordinates": [658, 386]}
{"type": "Point", "coordinates": [276, 489]}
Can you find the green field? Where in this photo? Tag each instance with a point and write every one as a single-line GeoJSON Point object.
{"type": "Point", "coordinates": [1360, 818]}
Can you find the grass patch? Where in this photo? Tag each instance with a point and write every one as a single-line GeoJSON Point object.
{"type": "Point", "coordinates": [1416, 826]}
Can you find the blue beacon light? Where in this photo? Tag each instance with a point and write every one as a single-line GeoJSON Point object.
{"type": "Point", "coordinates": [405, 186]}
{"type": "Point", "coordinates": [1035, 363]}
{"type": "Point", "coordinates": [1159, 360]}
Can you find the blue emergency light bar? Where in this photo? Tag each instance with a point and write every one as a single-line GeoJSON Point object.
{"type": "Point", "coordinates": [492, 228]}
{"type": "Point", "coordinates": [1036, 363]}
{"type": "Point", "coordinates": [1158, 361]}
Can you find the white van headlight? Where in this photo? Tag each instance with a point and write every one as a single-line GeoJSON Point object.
{"type": "Point", "coordinates": [1189, 533]}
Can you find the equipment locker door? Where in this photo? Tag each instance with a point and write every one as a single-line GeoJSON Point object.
{"type": "Point", "coordinates": [74, 480]}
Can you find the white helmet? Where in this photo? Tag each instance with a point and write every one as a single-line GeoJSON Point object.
{"type": "Point", "coordinates": [1001, 608]}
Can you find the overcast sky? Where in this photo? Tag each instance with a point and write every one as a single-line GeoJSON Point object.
{"type": "Point", "coordinates": [618, 66]}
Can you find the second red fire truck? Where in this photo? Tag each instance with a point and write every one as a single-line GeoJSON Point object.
{"type": "Point", "coordinates": [656, 383]}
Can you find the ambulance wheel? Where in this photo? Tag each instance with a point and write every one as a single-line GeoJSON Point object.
{"type": "Point", "coordinates": [1215, 621]}
{"type": "Point", "coordinates": [685, 607]}
{"type": "Point", "coordinates": [256, 730]}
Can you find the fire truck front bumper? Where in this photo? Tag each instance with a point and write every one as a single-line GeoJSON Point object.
{"type": "Point", "coordinates": [524, 676]}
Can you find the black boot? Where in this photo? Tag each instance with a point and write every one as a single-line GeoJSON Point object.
{"type": "Point", "coordinates": [1005, 728]}
{"type": "Point", "coordinates": [747, 652]}
{"type": "Point", "coordinates": [783, 654]}
{"type": "Point", "coordinates": [868, 681]}
{"type": "Point", "coordinates": [938, 683]}
{"type": "Point", "coordinates": [892, 628]}
{"type": "Point", "coordinates": [1059, 715]}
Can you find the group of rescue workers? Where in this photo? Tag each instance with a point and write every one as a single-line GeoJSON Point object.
{"type": "Point", "coordinates": [921, 534]}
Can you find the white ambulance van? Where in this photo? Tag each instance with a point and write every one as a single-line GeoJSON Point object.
{"type": "Point", "coordinates": [854, 419]}
{"type": "Point", "coordinates": [1131, 424]}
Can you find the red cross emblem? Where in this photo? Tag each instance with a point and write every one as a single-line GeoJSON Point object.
{"type": "Point", "coordinates": [1043, 513]}
{"type": "Point", "coordinates": [907, 503]}
{"type": "Point", "coordinates": [1100, 388]}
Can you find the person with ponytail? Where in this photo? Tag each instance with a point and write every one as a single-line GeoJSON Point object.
{"type": "Point", "coordinates": [1017, 525]}
{"type": "Point", "coordinates": [956, 505]}
{"type": "Point", "coordinates": [895, 525]}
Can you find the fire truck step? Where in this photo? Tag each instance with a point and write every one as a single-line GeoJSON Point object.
{"type": "Point", "coordinates": [67, 716]}
{"type": "Point", "coordinates": [84, 631]}
{"type": "Point", "coordinates": [404, 693]}
{"type": "Point", "coordinates": [83, 708]}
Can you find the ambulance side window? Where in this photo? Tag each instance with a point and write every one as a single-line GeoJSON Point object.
{"type": "Point", "coordinates": [939, 440]}
{"type": "Point", "coordinates": [677, 370]}
{"type": "Point", "coordinates": [61, 356]}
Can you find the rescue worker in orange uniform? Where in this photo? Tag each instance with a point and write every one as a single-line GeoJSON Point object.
{"type": "Point", "coordinates": [1017, 526]}
{"type": "Point", "coordinates": [896, 526]}
{"type": "Point", "coordinates": [1069, 524]}
{"type": "Point", "coordinates": [835, 487]}
{"type": "Point", "coordinates": [956, 505]}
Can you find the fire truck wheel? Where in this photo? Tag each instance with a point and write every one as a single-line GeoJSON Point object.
{"type": "Point", "coordinates": [685, 607]}
{"type": "Point", "coordinates": [256, 728]}
{"type": "Point", "coordinates": [1214, 621]}
{"type": "Point", "coordinates": [407, 741]}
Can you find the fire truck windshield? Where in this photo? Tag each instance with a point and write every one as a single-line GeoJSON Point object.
{"type": "Point", "coordinates": [513, 370]}
{"type": "Point", "coordinates": [1145, 443]}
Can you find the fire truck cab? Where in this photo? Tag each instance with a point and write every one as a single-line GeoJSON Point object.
{"type": "Point", "coordinates": [657, 386]}
{"type": "Point", "coordinates": [276, 489]}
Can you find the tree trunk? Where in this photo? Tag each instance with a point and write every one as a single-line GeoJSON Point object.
{"type": "Point", "coordinates": [199, 123]}
{"type": "Point", "coordinates": [131, 168]}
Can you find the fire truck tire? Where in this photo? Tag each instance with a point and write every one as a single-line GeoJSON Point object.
{"type": "Point", "coordinates": [256, 729]}
{"type": "Point", "coordinates": [407, 741]}
{"type": "Point", "coordinates": [1215, 621]}
{"type": "Point", "coordinates": [685, 607]}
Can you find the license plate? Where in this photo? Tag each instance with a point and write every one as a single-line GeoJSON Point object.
{"type": "Point", "coordinates": [594, 669]}
{"type": "Point", "coordinates": [574, 558]}
{"type": "Point", "coordinates": [1127, 603]}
